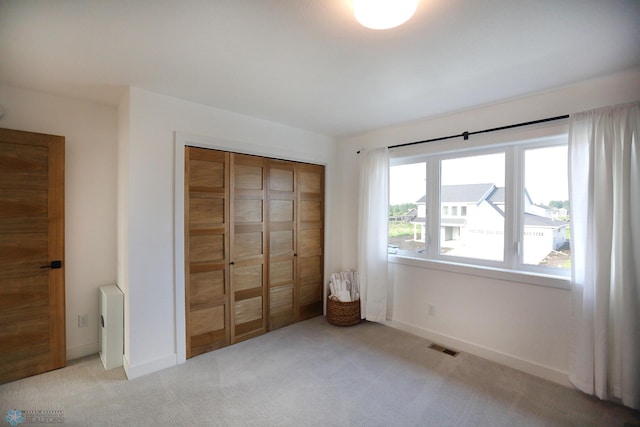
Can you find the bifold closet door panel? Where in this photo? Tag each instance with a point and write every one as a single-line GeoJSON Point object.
{"type": "Point", "coordinates": [206, 250]}
{"type": "Point", "coordinates": [248, 268]}
{"type": "Point", "coordinates": [282, 205]}
{"type": "Point", "coordinates": [310, 240]}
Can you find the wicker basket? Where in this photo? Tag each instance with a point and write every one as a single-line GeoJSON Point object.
{"type": "Point", "coordinates": [343, 313]}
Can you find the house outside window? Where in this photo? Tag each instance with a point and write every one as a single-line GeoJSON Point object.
{"type": "Point", "coordinates": [493, 221]}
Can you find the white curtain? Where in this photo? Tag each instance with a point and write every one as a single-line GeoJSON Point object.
{"type": "Point", "coordinates": [604, 161]}
{"type": "Point", "coordinates": [373, 210]}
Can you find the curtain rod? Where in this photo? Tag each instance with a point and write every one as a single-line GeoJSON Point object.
{"type": "Point", "coordinates": [466, 134]}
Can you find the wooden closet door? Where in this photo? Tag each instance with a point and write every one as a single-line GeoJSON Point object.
{"type": "Point", "coordinates": [207, 249]}
{"type": "Point", "coordinates": [310, 240]}
{"type": "Point", "coordinates": [248, 247]}
{"type": "Point", "coordinates": [282, 205]}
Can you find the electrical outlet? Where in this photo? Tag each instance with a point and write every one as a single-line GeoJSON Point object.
{"type": "Point", "coordinates": [431, 310]}
{"type": "Point", "coordinates": [83, 320]}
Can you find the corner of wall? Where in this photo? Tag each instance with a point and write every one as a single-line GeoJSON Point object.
{"type": "Point", "coordinates": [158, 364]}
{"type": "Point", "coordinates": [122, 213]}
{"type": "Point", "coordinates": [79, 351]}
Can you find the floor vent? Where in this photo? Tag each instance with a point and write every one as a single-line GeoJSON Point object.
{"type": "Point", "coordinates": [444, 350]}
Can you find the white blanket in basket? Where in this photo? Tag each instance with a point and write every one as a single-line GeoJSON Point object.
{"type": "Point", "coordinates": [345, 286]}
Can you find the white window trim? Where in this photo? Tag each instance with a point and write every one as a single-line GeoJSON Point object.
{"type": "Point", "coordinates": [513, 143]}
{"type": "Point", "coordinates": [531, 278]}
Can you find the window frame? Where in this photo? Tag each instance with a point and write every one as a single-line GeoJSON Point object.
{"type": "Point", "coordinates": [514, 144]}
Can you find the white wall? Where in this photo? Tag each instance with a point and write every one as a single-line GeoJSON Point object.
{"type": "Point", "coordinates": [522, 325]}
{"type": "Point", "coordinates": [147, 223]}
{"type": "Point", "coordinates": [90, 197]}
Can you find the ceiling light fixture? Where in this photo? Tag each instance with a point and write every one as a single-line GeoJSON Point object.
{"type": "Point", "coordinates": [383, 14]}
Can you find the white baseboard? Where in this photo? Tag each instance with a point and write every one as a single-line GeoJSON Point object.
{"type": "Point", "coordinates": [83, 350]}
{"type": "Point", "coordinates": [135, 371]}
{"type": "Point", "coordinates": [523, 365]}
{"type": "Point", "coordinates": [125, 365]}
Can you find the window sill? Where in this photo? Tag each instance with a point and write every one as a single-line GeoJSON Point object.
{"type": "Point", "coordinates": [488, 272]}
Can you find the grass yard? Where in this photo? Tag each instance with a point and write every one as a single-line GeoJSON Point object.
{"type": "Point", "coordinates": [397, 229]}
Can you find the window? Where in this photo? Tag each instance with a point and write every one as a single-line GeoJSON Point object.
{"type": "Point", "coordinates": [547, 231]}
{"type": "Point", "coordinates": [504, 206]}
{"type": "Point", "coordinates": [407, 234]}
{"type": "Point", "coordinates": [477, 180]}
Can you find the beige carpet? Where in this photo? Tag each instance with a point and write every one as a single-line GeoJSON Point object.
{"type": "Point", "coordinates": [311, 374]}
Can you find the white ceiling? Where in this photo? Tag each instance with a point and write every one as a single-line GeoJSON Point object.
{"type": "Point", "coordinates": [307, 63]}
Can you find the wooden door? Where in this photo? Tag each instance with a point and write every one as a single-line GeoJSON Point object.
{"type": "Point", "coordinates": [32, 310]}
{"type": "Point", "coordinates": [281, 212]}
{"type": "Point", "coordinates": [207, 250]}
{"type": "Point", "coordinates": [248, 247]}
{"type": "Point", "coordinates": [310, 240]}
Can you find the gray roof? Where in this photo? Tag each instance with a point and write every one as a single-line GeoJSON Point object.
{"type": "Point", "coordinates": [453, 222]}
{"type": "Point", "coordinates": [529, 219]}
{"type": "Point", "coordinates": [472, 193]}
{"type": "Point", "coordinates": [465, 193]}
{"type": "Point", "coordinates": [497, 196]}
{"type": "Point", "coordinates": [450, 222]}
{"type": "Point", "coordinates": [541, 221]}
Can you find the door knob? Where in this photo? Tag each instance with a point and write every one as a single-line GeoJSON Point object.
{"type": "Point", "coordinates": [53, 265]}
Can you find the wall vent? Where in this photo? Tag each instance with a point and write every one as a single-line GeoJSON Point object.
{"type": "Point", "coordinates": [444, 350]}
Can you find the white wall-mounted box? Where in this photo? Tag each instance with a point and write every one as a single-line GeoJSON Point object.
{"type": "Point", "coordinates": [111, 326]}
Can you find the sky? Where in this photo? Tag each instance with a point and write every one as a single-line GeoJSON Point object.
{"type": "Point", "coordinates": [545, 175]}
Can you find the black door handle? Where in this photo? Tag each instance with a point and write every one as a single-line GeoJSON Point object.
{"type": "Point", "coordinates": [53, 265]}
